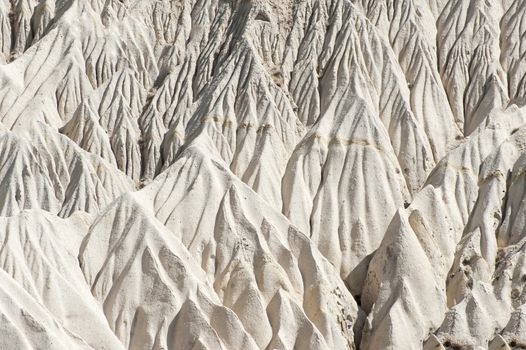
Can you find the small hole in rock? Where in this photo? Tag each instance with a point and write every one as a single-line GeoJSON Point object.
{"type": "Point", "coordinates": [358, 299]}
{"type": "Point", "coordinates": [262, 16]}
{"type": "Point", "coordinates": [278, 79]}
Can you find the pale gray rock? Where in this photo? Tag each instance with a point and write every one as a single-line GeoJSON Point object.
{"type": "Point", "coordinates": [262, 174]}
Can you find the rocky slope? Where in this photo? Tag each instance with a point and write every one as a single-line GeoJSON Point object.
{"type": "Point", "coordinates": [262, 174]}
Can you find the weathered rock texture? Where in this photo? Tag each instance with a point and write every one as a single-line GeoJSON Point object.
{"type": "Point", "coordinates": [262, 174]}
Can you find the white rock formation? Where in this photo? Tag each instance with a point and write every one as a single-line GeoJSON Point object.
{"type": "Point", "coordinates": [262, 174]}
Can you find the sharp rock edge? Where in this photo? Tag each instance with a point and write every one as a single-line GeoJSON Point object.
{"type": "Point", "coordinates": [262, 174]}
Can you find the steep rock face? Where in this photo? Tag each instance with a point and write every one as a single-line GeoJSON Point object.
{"type": "Point", "coordinates": [43, 169]}
{"type": "Point", "coordinates": [46, 301]}
{"type": "Point", "coordinates": [281, 288]}
{"type": "Point", "coordinates": [263, 174]}
{"type": "Point", "coordinates": [170, 296]}
{"type": "Point", "coordinates": [451, 230]}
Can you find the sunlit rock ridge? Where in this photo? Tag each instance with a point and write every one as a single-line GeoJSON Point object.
{"type": "Point", "coordinates": [262, 174]}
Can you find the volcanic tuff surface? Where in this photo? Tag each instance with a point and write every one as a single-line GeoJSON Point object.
{"type": "Point", "coordinates": [262, 174]}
